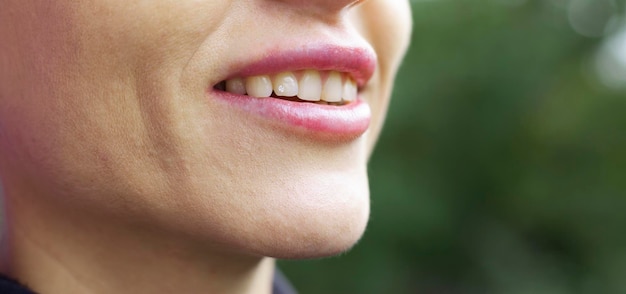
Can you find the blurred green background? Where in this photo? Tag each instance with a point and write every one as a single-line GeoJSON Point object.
{"type": "Point", "coordinates": [502, 167]}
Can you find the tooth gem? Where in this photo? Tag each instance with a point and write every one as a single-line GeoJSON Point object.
{"type": "Point", "coordinates": [285, 85]}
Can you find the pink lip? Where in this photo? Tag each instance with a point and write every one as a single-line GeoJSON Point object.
{"type": "Point", "coordinates": [359, 62]}
{"type": "Point", "coordinates": [318, 121]}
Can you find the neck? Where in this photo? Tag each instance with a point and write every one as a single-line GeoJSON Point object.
{"type": "Point", "coordinates": [53, 253]}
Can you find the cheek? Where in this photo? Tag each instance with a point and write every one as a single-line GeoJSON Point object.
{"type": "Point", "coordinates": [144, 36]}
{"type": "Point", "coordinates": [386, 25]}
{"type": "Point", "coordinates": [69, 82]}
{"type": "Point", "coordinates": [91, 117]}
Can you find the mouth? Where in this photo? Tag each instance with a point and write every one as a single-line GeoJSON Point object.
{"type": "Point", "coordinates": [312, 90]}
{"type": "Point", "coordinates": [312, 86]}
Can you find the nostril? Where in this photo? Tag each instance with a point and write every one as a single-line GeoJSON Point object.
{"type": "Point", "coordinates": [328, 9]}
{"type": "Point", "coordinates": [355, 3]}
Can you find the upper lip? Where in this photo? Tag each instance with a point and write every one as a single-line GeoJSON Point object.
{"type": "Point", "coordinates": [358, 62]}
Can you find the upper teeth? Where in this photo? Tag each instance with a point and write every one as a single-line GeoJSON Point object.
{"type": "Point", "coordinates": [308, 85]}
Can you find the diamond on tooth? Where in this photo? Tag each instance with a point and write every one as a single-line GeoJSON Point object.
{"type": "Point", "coordinates": [310, 86]}
{"type": "Point", "coordinates": [236, 86]}
{"type": "Point", "coordinates": [333, 89]}
{"type": "Point", "coordinates": [259, 86]}
{"type": "Point", "coordinates": [285, 84]}
{"type": "Point", "coordinates": [349, 90]}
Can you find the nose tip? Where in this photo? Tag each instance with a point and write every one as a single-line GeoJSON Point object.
{"type": "Point", "coordinates": [323, 6]}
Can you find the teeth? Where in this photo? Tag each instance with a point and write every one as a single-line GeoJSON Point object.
{"type": "Point", "coordinates": [236, 86]}
{"type": "Point", "coordinates": [333, 88]}
{"type": "Point", "coordinates": [309, 85]}
{"type": "Point", "coordinates": [285, 85]}
{"type": "Point", "coordinates": [259, 86]}
{"type": "Point", "coordinates": [349, 91]}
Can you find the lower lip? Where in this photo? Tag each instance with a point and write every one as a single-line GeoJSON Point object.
{"type": "Point", "coordinates": [348, 121]}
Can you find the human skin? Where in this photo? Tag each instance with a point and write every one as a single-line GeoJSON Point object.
{"type": "Point", "coordinates": [123, 172]}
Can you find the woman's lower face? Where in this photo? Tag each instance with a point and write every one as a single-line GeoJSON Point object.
{"type": "Point", "coordinates": [158, 113]}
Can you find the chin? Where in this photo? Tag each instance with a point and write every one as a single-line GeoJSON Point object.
{"type": "Point", "coordinates": [321, 224]}
{"type": "Point", "coordinates": [304, 215]}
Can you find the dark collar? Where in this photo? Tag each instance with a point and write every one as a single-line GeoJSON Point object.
{"type": "Point", "coordinates": [10, 286]}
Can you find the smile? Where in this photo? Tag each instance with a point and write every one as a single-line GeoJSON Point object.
{"type": "Point", "coordinates": [321, 87]}
{"type": "Point", "coordinates": [315, 91]}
